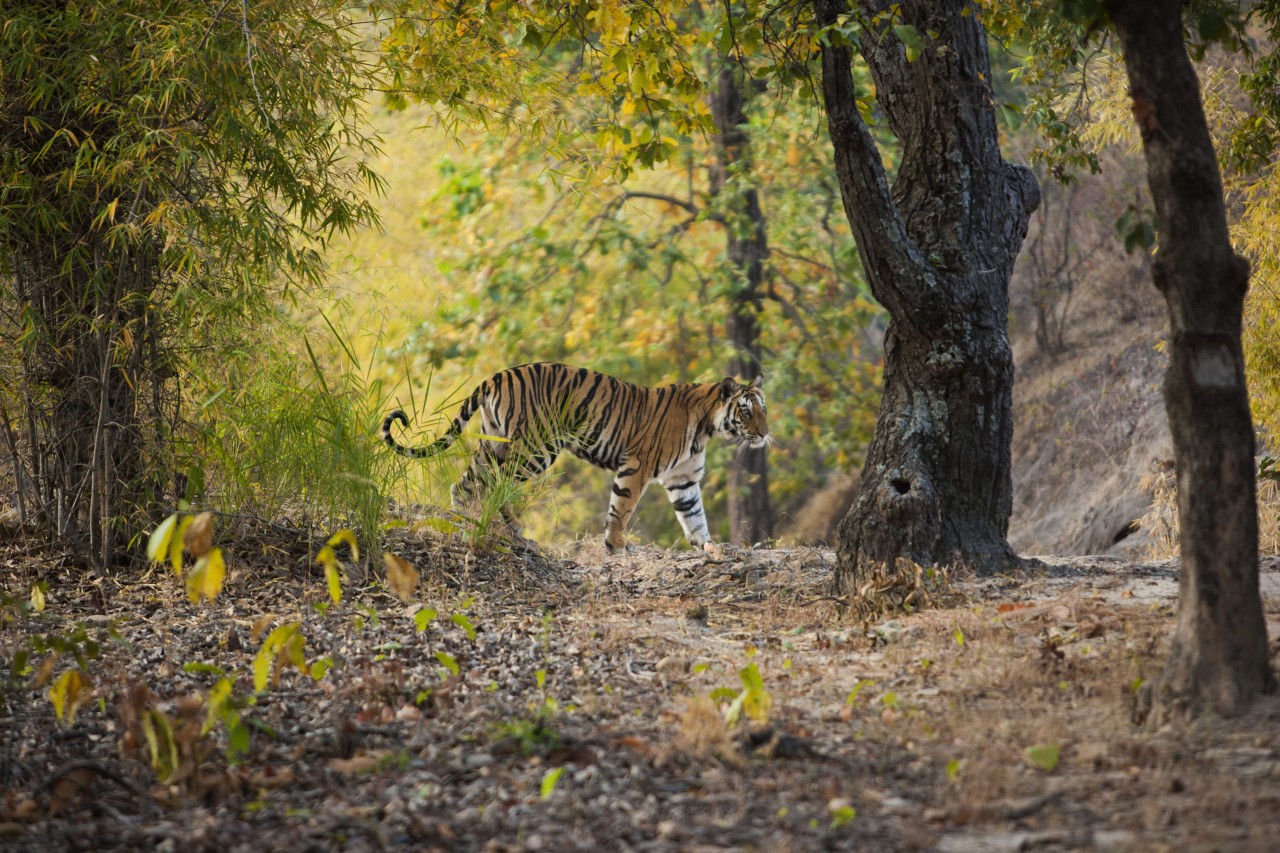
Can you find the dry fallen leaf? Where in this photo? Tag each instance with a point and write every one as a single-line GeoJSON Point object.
{"type": "Point", "coordinates": [402, 578]}
{"type": "Point", "coordinates": [199, 536]}
{"type": "Point", "coordinates": [63, 791]}
{"type": "Point", "coordinates": [1010, 606]}
{"type": "Point", "coordinates": [366, 762]}
{"type": "Point", "coordinates": [259, 625]}
{"type": "Point", "coordinates": [27, 809]}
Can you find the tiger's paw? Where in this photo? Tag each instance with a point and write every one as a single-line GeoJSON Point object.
{"type": "Point", "coordinates": [712, 548]}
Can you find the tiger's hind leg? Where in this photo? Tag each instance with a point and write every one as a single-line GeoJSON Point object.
{"type": "Point", "coordinates": [497, 471]}
{"type": "Point", "coordinates": [628, 486]}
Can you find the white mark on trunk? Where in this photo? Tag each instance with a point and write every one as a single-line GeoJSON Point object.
{"type": "Point", "coordinates": [1213, 367]}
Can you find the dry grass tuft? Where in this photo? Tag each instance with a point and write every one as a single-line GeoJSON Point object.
{"type": "Point", "coordinates": [1162, 519]}
{"type": "Point", "coordinates": [906, 586]}
{"type": "Point", "coordinates": [704, 734]}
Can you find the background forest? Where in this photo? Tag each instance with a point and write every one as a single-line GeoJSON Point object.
{"type": "Point", "coordinates": [256, 311]}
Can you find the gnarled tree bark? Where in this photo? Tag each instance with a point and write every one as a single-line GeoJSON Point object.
{"type": "Point", "coordinates": [938, 250]}
{"type": "Point", "coordinates": [1218, 660]}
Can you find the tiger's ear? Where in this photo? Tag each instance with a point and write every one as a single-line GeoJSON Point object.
{"type": "Point", "coordinates": [757, 382]}
{"type": "Point", "coordinates": [728, 387]}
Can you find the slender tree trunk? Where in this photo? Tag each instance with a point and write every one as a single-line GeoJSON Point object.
{"type": "Point", "coordinates": [750, 516]}
{"type": "Point", "coordinates": [938, 250]}
{"type": "Point", "coordinates": [1218, 660]}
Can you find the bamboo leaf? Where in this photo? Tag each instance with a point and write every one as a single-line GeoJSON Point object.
{"type": "Point", "coordinates": [158, 543]}
{"type": "Point", "coordinates": [348, 538]}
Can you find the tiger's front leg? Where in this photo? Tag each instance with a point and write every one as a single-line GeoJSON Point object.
{"type": "Point", "coordinates": [628, 485]}
{"type": "Point", "coordinates": [686, 498]}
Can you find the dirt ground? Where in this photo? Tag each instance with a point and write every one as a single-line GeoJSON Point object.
{"type": "Point", "coordinates": [588, 711]}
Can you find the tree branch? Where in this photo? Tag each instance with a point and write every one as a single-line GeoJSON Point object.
{"type": "Point", "coordinates": [893, 263]}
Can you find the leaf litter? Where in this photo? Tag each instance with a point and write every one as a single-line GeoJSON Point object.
{"type": "Point", "coordinates": [662, 700]}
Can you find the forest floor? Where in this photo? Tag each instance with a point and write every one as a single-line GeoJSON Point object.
{"type": "Point", "coordinates": [588, 711]}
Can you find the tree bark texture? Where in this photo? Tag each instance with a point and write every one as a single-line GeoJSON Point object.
{"type": "Point", "coordinates": [750, 515]}
{"type": "Point", "coordinates": [938, 249]}
{"type": "Point", "coordinates": [1218, 660]}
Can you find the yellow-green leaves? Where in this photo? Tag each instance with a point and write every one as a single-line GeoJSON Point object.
{"type": "Point", "coordinates": [283, 647]}
{"type": "Point", "coordinates": [754, 700]}
{"type": "Point", "coordinates": [71, 690]}
{"type": "Point", "coordinates": [161, 746]}
{"type": "Point", "coordinates": [158, 543]}
{"type": "Point", "coordinates": [328, 558]}
{"type": "Point", "coordinates": [165, 544]}
{"type": "Point", "coordinates": [549, 780]}
{"type": "Point", "coordinates": [194, 534]}
{"type": "Point", "coordinates": [912, 43]}
{"type": "Point", "coordinates": [1044, 756]}
{"type": "Point", "coordinates": [205, 580]}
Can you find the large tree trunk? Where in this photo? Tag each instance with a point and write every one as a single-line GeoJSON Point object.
{"type": "Point", "coordinates": [1218, 659]}
{"type": "Point", "coordinates": [750, 516]}
{"type": "Point", "coordinates": [939, 252]}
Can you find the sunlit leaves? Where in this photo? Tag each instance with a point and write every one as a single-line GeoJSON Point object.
{"type": "Point", "coordinates": [464, 622]}
{"type": "Point", "coordinates": [549, 780]}
{"type": "Point", "coordinates": [423, 617]}
{"type": "Point", "coordinates": [753, 700]}
{"type": "Point", "coordinates": [205, 579]}
{"type": "Point", "coordinates": [449, 662]}
{"type": "Point", "coordinates": [158, 542]}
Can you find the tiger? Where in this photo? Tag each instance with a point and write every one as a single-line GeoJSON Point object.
{"type": "Point", "coordinates": [641, 434]}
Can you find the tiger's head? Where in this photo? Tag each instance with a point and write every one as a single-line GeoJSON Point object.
{"type": "Point", "coordinates": [743, 417]}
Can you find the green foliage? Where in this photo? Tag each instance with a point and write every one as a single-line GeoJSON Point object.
{"type": "Point", "coordinates": [328, 558]}
{"type": "Point", "coordinates": [1044, 756]}
{"type": "Point", "coordinates": [753, 700]}
{"type": "Point", "coordinates": [281, 433]}
{"type": "Point", "coordinates": [1080, 107]}
{"type": "Point", "coordinates": [549, 780]}
{"type": "Point", "coordinates": [282, 648]}
{"type": "Point", "coordinates": [193, 534]}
